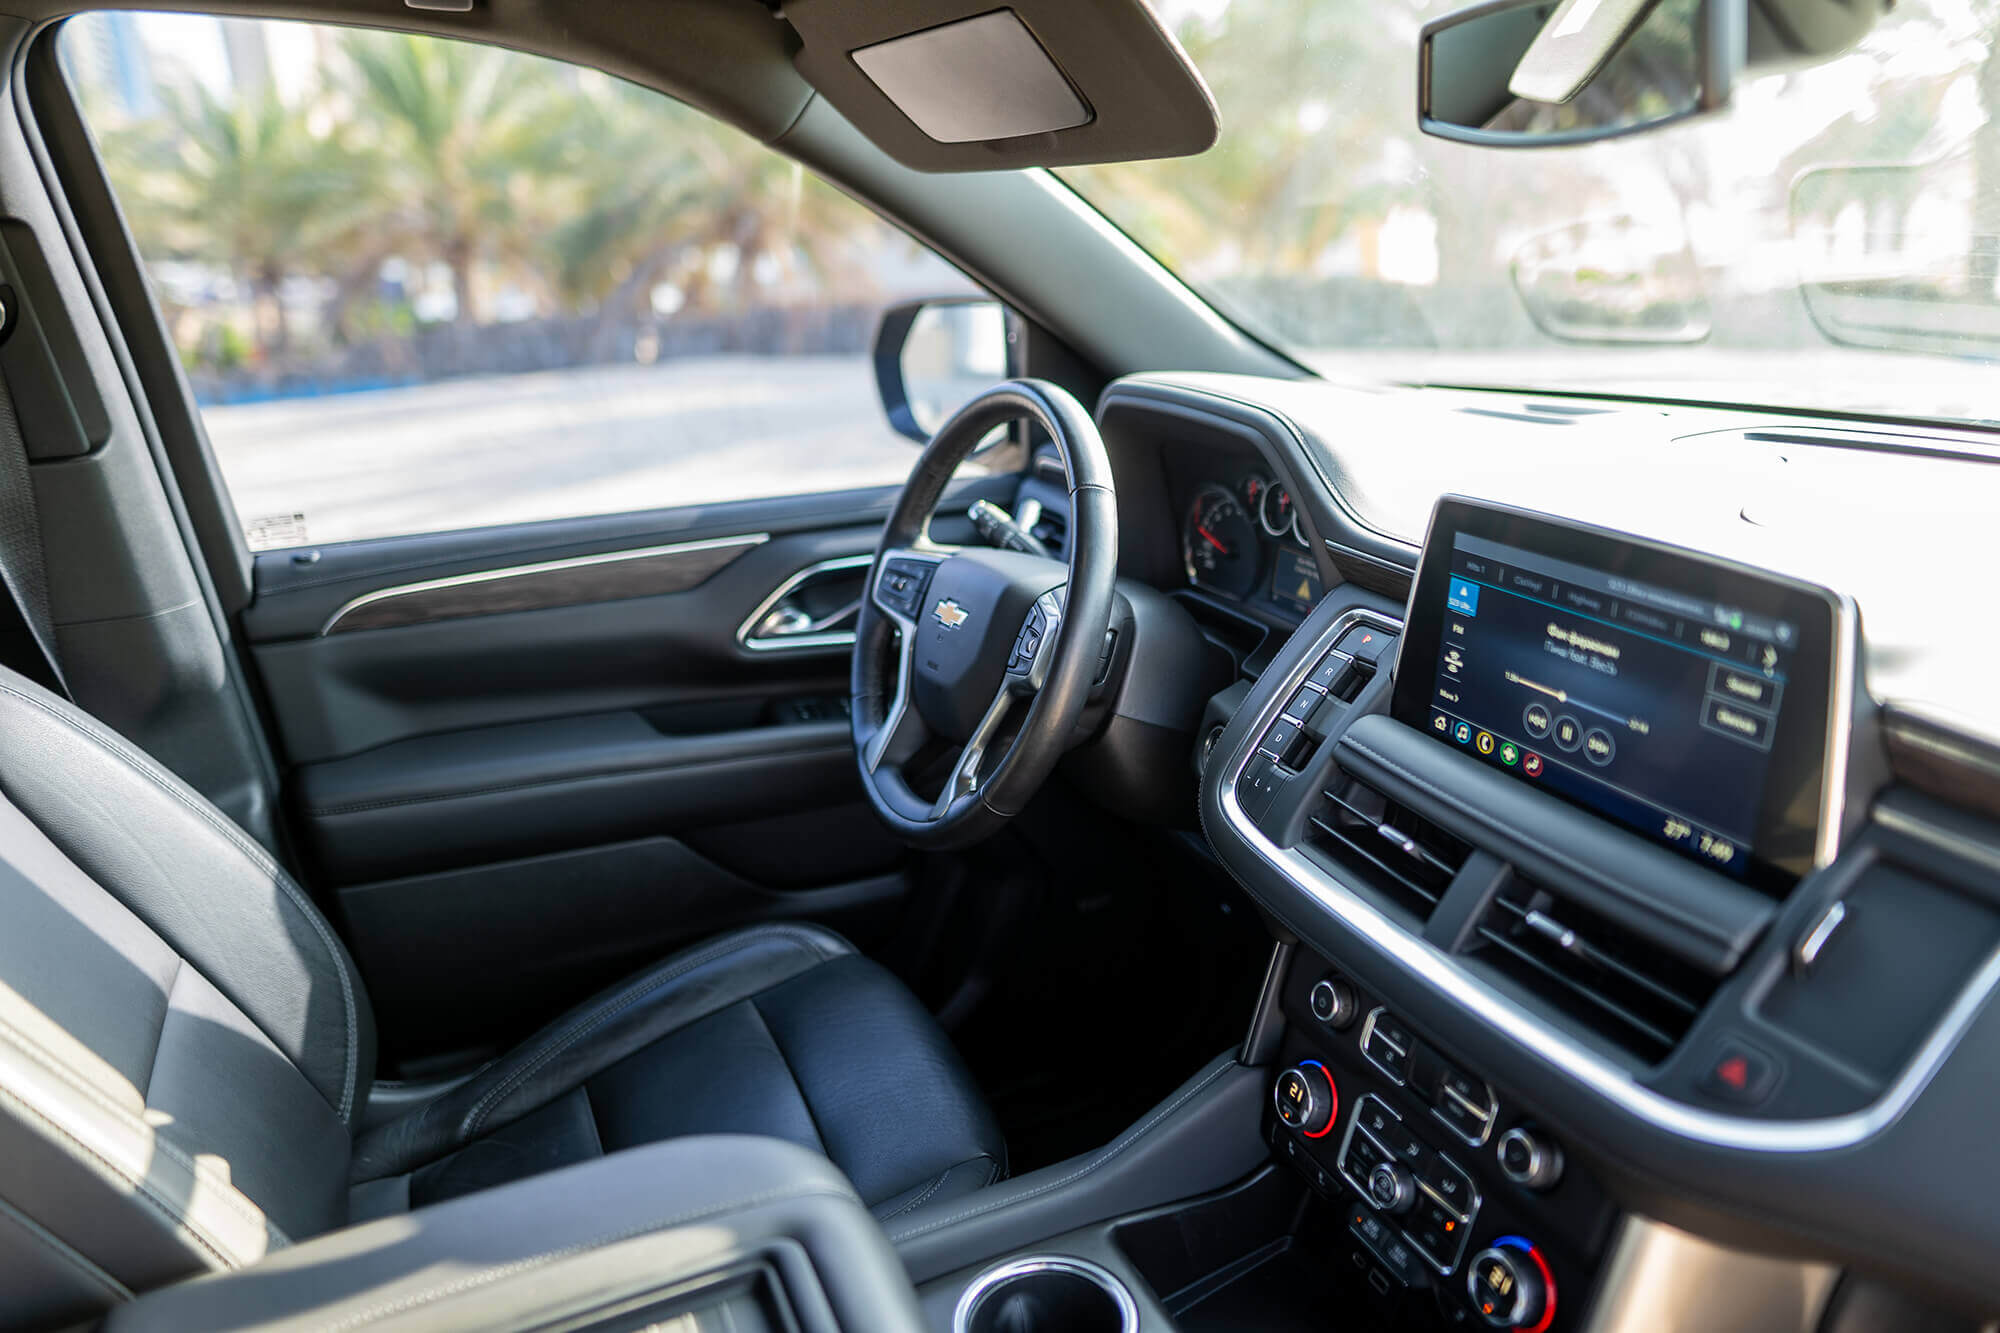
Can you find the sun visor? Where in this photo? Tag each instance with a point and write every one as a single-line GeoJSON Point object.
{"type": "Point", "coordinates": [943, 85]}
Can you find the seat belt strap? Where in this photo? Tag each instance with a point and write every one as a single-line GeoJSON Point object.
{"type": "Point", "coordinates": [27, 627]}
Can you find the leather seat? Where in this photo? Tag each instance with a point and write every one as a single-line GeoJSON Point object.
{"type": "Point", "coordinates": [186, 1049]}
{"type": "Point", "coordinates": [779, 1030]}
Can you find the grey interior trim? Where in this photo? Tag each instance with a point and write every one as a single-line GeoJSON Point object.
{"type": "Point", "coordinates": [1576, 1061]}
{"type": "Point", "coordinates": [612, 576]}
{"type": "Point", "coordinates": [1661, 1280]}
{"type": "Point", "coordinates": [1206, 1135]}
{"type": "Point", "coordinates": [806, 640]}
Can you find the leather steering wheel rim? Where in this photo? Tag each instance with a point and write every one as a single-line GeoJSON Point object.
{"type": "Point", "coordinates": [886, 720]}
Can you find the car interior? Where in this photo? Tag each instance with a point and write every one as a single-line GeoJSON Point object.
{"type": "Point", "coordinates": [1433, 772]}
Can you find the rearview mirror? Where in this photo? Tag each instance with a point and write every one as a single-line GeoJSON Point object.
{"type": "Point", "coordinates": [1525, 73]}
{"type": "Point", "coordinates": [932, 357]}
{"type": "Point", "coordinates": [1532, 72]}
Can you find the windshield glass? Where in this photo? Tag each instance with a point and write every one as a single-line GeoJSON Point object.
{"type": "Point", "coordinates": [1831, 241]}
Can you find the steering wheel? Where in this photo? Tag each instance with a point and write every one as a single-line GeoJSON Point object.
{"type": "Point", "coordinates": [951, 642]}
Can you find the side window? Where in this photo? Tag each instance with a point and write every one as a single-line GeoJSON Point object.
{"type": "Point", "coordinates": [421, 284]}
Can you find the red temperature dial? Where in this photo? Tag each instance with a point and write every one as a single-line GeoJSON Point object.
{"type": "Point", "coordinates": [1306, 1099]}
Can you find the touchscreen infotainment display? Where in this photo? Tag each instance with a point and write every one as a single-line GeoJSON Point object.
{"type": "Point", "coordinates": [1681, 697]}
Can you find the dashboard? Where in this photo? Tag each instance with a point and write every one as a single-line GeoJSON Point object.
{"type": "Point", "coordinates": [1634, 807]}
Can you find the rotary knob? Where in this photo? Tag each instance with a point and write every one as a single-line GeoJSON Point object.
{"type": "Point", "coordinates": [1334, 1003]}
{"type": "Point", "coordinates": [1391, 1188]}
{"type": "Point", "coordinates": [1529, 1160]}
{"type": "Point", "coordinates": [1511, 1287]}
{"type": "Point", "coordinates": [1306, 1099]}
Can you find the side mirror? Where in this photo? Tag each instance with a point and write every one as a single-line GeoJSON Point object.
{"type": "Point", "coordinates": [1531, 72]}
{"type": "Point", "coordinates": [932, 357]}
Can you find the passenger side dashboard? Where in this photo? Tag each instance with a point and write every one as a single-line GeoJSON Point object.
{"type": "Point", "coordinates": [1779, 1068]}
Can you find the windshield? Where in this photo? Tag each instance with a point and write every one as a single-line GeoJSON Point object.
{"type": "Point", "coordinates": [1830, 242]}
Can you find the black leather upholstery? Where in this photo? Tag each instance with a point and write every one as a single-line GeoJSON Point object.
{"type": "Point", "coordinates": [780, 1030]}
{"type": "Point", "coordinates": [186, 1049]}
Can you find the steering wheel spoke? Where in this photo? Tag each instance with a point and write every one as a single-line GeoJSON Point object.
{"type": "Point", "coordinates": [901, 577]}
{"type": "Point", "coordinates": [964, 779]}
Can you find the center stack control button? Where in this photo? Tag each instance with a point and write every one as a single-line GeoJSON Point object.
{"type": "Point", "coordinates": [1438, 1232]}
{"type": "Point", "coordinates": [1387, 1045]}
{"type": "Point", "coordinates": [1391, 1187]}
{"type": "Point", "coordinates": [1451, 1185]}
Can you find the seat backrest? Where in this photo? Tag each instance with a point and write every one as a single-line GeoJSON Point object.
{"type": "Point", "coordinates": [185, 1046]}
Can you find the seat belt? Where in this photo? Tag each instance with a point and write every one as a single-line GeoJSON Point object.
{"type": "Point", "coordinates": [27, 627]}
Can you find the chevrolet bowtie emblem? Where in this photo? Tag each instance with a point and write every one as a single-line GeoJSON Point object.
{"type": "Point", "coordinates": [950, 614]}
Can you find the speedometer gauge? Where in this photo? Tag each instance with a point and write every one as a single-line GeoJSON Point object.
{"type": "Point", "coordinates": [1219, 544]}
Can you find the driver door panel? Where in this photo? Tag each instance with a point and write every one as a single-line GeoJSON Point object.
{"type": "Point", "coordinates": [527, 791]}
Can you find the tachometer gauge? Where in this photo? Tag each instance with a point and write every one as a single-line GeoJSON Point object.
{"type": "Point", "coordinates": [1219, 544]}
{"type": "Point", "coordinates": [1276, 515]}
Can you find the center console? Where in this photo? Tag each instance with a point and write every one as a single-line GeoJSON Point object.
{"type": "Point", "coordinates": [1594, 911]}
{"type": "Point", "coordinates": [1456, 1208]}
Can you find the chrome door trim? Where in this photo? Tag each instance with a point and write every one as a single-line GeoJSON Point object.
{"type": "Point", "coordinates": [739, 544]}
{"type": "Point", "coordinates": [791, 643]}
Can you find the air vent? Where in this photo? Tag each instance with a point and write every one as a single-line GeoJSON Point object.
{"type": "Point", "coordinates": [1389, 847]}
{"type": "Point", "coordinates": [1620, 985]}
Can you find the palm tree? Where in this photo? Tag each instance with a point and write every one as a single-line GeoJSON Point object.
{"type": "Point", "coordinates": [461, 133]}
{"type": "Point", "coordinates": [660, 191]}
{"type": "Point", "coordinates": [244, 184]}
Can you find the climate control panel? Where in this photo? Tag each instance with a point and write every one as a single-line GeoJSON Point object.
{"type": "Point", "coordinates": [1453, 1202]}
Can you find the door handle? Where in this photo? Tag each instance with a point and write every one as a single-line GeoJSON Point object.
{"type": "Point", "coordinates": [810, 610]}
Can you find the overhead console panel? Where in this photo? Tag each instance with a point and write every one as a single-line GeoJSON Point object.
{"type": "Point", "coordinates": [958, 85]}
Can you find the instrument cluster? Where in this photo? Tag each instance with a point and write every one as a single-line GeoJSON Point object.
{"type": "Point", "coordinates": [1243, 541]}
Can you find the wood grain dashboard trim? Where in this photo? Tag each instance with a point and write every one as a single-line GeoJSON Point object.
{"type": "Point", "coordinates": [612, 576]}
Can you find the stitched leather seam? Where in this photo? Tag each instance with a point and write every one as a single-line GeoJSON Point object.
{"type": "Point", "coordinates": [229, 1194]}
{"type": "Point", "coordinates": [75, 1261]}
{"type": "Point", "coordinates": [159, 1038]}
{"type": "Point", "coordinates": [588, 1023]}
{"type": "Point", "coordinates": [141, 1187]}
{"type": "Point", "coordinates": [1087, 1168]}
{"type": "Point", "coordinates": [791, 1072]}
{"type": "Point", "coordinates": [258, 861]}
{"type": "Point", "coordinates": [590, 1117]}
{"type": "Point", "coordinates": [425, 1297]}
{"type": "Point", "coordinates": [391, 803]}
{"type": "Point", "coordinates": [1702, 928]}
{"type": "Point", "coordinates": [937, 1182]}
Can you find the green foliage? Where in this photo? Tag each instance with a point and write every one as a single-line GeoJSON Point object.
{"type": "Point", "coordinates": [506, 169]}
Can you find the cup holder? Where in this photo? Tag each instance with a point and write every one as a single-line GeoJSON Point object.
{"type": "Point", "coordinates": [1046, 1293]}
